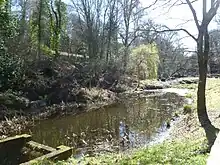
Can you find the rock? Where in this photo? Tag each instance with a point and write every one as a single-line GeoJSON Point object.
{"type": "Point", "coordinates": [13, 101]}
{"type": "Point", "coordinates": [149, 87]}
{"type": "Point", "coordinates": [37, 104]}
{"type": "Point", "coordinates": [188, 81]}
{"type": "Point", "coordinates": [119, 89]}
{"type": "Point", "coordinates": [59, 95]}
{"type": "Point", "coordinates": [189, 101]}
{"type": "Point", "coordinates": [31, 94]}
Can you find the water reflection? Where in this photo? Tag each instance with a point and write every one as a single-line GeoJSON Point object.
{"type": "Point", "coordinates": [136, 121]}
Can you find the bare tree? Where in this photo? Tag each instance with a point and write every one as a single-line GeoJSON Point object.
{"type": "Point", "coordinates": [58, 25]}
{"type": "Point", "coordinates": [112, 26]}
{"type": "Point", "coordinates": [39, 33]}
{"type": "Point", "coordinates": [203, 49]}
{"type": "Point", "coordinates": [23, 5]}
{"type": "Point", "coordinates": [90, 14]}
{"type": "Point", "coordinates": [131, 12]}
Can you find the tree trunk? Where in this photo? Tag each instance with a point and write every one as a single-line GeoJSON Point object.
{"type": "Point", "coordinates": [39, 29]}
{"type": "Point", "coordinates": [203, 51]}
{"type": "Point", "coordinates": [125, 59]}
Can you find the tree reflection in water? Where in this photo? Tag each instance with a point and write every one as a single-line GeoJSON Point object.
{"type": "Point", "coordinates": [134, 123]}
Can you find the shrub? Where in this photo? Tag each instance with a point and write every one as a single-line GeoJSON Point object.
{"type": "Point", "coordinates": [188, 95]}
{"type": "Point", "coordinates": [187, 109]}
{"type": "Point", "coordinates": [10, 65]}
{"type": "Point", "coordinates": [144, 61]}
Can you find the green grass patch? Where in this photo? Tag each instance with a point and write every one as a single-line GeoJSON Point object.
{"type": "Point", "coordinates": [189, 95]}
{"type": "Point", "coordinates": [212, 93]}
{"type": "Point", "coordinates": [177, 153]}
{"type": "Point", "coordinates": [187, 109]}
{"type": "Point", "coordinates": [168, 153]}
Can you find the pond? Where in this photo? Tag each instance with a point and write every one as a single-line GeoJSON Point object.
{"type": "Point", "coordinates": [98, 131]}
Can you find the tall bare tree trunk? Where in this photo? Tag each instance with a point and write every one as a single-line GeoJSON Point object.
{"type": "Point", "coordinates": [39, 28]}
{"type": "Point", "coordinates": [203, 51]}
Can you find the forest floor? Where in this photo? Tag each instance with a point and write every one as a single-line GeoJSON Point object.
{"type": "Point", "coordinates": [186, 145]}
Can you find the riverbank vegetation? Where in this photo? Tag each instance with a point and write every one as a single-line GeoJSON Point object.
{"type": "Point", "coordinates": [178, 153]}
{"type": "Point", "coordinates": [166, 153]}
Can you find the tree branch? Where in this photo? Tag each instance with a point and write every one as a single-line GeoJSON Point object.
{"type": "Point", "coordinates": [173, 30]}
{"type": "Point", "coordinates": [211, 13]}
{"type": "Point", "coordinates": [185, 3]}
{"type": "Point", "coordinates": [194, 14]}
{"type": "Point", "coordinates": [150, 5]}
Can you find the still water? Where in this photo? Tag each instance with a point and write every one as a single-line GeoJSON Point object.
{"type": "Point", "coordinates": [97, 130]}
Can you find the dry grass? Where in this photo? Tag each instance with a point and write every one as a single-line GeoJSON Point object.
{"type": "Point", "coordinates": [98, 94]}
{"type": "Point", "coordinates": [189, 127]}
{"type": "Point", "coordinates": [13, 126]}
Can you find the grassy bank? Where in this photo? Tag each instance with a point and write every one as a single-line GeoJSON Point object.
{"type": "Point", "coordinates": [169, 153]}
{"type": "Point", "coordinates": [186, 145]}
{"type": "Point", "coordinates": [189, 127]}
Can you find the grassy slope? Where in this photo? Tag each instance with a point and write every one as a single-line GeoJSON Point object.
{"type": "Point", "coordinates": [189, 126]}
{"type": "Point", "coordinates": [185, 146]}
{"type": "Point", "coordinates": [169, 153]}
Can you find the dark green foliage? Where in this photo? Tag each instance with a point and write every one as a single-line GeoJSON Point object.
{"type": "Point", "coordinates": [11, 71]}
{"type": "Point", "coordinates": [10, 65]}
{"type": "Point", "coordinates": [10, 100]}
